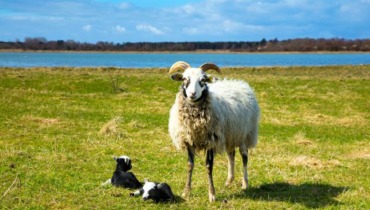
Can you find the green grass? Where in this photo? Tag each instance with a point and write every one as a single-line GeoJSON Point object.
{"type": "Point", "coordinates": [60, 128]}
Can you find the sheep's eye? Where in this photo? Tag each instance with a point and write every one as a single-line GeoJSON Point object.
{"type": "Point", "coordinates": [203, 80]}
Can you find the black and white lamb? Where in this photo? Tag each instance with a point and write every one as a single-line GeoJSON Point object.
{"type": "Point", "coordinates": [121, 176]}
{"type": "Point", "coordinates": [158, 192]}
{"type": "Point", "coordinates": [214, 116]}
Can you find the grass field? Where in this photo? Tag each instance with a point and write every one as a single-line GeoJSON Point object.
{"type": "Point", "coordinates": [60, 128]}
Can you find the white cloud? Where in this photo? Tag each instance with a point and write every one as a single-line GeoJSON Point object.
{"type": "Point", "coordinates": [231, 26]}
{"type": "Point", "coordinates": [36, 18]}
{"type": "Point", "coordinates": [236, 27]}
{"type": "Point", "coordinates": [355, 11]}
{"type": "Point", "coordinates": [188, 9]}
{"type": "Point", "coordinates": [119, 29]}
{"type": "Point", "coordinates": [190, 31]}
{"type": "Point", "coordinates": [125, 5]}
{"type": "Point", "coordinates": [87, 28]}
{"type": "Point", "coordinates": [149, 28]}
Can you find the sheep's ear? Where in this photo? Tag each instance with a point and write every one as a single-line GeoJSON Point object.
{"type": "Point", "coordinates": [146, 180]}
{"type": "Point", "coordinates": [115, 158]}
{"type": "Point", "coordinates": [211, 79]}
{"type": "Point", "coordinates": [177, 77]}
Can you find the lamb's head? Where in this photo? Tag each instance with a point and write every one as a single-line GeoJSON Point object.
{"type": "Point", "coordinates": [149, 189]}
{"type": "Point", "coordinates": [194, 79]}
{"type": "Point", "coordinates": [123, 163]}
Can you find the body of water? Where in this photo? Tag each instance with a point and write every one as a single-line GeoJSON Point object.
{"type": "Point", "coordinates": [149, 60]}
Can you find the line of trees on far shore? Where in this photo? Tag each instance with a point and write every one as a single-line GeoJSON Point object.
{"type": "Point", "coordinates": [274, 45]}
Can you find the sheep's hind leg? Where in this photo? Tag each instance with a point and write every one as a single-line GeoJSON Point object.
{"type": "Point", "coordinates": [244, 153]}
{"type": "Point", "coordinates": [231, 165]}
{"type": "Point", "coordinates": [209, 165]}
{"type": "Point", "coordinates": [191, 154]}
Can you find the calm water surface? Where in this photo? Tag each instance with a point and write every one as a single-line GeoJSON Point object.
{"type": "Point", "coordinates": [149, 60]}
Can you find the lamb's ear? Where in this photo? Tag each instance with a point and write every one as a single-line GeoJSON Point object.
{"type": "Point", "coordinates": [146, 180]}
{"type": "Point", "coordinates": [177, 76]}
{"type": "Point", "coordinates": [211, 79]}
{"type": "Point", "coordinates": [115, 158]}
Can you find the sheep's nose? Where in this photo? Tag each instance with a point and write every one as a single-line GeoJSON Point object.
{"type": "Point", "coordinates": [192, 95]}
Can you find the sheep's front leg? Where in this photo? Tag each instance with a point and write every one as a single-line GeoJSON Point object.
{"type": "Point", "coordinates": [209, 165]}
{"type": "Point", "coordinates": [191, 154]}
{"type": "Point", "coordinates": [231, 165]}
{"type": "Point", "coordinates": [137, 192]}
{"type": "Point", "coordinates": [244, 154]}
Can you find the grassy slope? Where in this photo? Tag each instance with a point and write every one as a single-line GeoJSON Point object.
{"type": "Point", "coordinates": [60, 128]}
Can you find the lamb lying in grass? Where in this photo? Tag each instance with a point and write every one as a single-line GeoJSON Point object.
{"type": "Point", "coordinates": [158, 192]}
{"type": "Point", "coordinates": [121, 176]}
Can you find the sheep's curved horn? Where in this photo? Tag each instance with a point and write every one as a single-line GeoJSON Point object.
{"type": "Point", "coordinates": [179, 66]}
{"type": "Point", "coordinates": [208, 66]}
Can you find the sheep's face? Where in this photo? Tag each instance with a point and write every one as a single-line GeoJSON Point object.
{"type": "Point", "coordinates": [123, 163]}
{"type": "Point", "coordinates": [194, 83]}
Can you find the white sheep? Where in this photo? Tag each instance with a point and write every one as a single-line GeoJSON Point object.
{"type": "Point", "coordinates": [214, 116]}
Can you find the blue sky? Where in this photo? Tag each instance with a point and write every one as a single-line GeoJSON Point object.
{"type": "Point", "coordinates": [179, 20]}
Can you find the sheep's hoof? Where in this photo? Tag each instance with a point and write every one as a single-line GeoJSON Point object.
{"type": "Point", "coordinates": [244, 185]}
{"type": "Point", "coordinates": [228, 182]}
{"type": "Point", "coordinates": [212, 198]}
{"type": "Point", "coordinates": [185, 194]}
